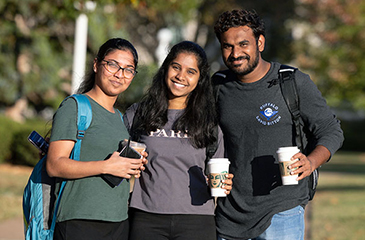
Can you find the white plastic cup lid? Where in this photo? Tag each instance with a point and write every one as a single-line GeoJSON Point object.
{"type": "Point", "coordinates": [219, 160]}
{"type": "Point", "coordinates": [137, 144]}
{"type": "Point", "coordinates": [288, 149]}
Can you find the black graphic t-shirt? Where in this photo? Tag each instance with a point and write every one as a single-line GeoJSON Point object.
{"type": "Point", "coordinates": [255, 122]}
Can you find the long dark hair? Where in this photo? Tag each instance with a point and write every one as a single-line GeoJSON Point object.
{"type": "Point", "coordinates": [199, 116]}
{"type": "Point", "coordinates": [109, 46]}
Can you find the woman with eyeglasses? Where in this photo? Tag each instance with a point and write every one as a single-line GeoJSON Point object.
{"type": "Point", "coordinates": [171, 199]}
{"type": "Point", "coordinates": [90, 208]}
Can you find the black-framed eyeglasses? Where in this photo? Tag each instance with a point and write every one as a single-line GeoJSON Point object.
{"type": "Point", "coordinates": [113, 68]}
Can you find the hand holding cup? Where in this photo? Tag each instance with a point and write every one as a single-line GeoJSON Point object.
{"type": "Point", "coordinates": [219, 184]}
{"type": "Point", "coordinates": [285, 155]}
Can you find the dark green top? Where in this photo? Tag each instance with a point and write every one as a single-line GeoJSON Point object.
{"type": "Point", "coordinates": [91, 197]}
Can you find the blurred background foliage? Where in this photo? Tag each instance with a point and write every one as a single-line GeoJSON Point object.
{"type": "Point", "coordinates": [323, 38]}
{"type": "Point", "coordinates": [328, 42]}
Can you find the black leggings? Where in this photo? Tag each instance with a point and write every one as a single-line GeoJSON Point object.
{"type": "Point", "coordinates": [89, 230]}
{"type": "Point", "coordinates": [147, 226]}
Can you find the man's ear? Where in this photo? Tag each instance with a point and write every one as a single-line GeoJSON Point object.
{"type": "Point", "coordinates": [261, 43]}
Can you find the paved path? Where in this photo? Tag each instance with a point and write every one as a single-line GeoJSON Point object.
{"type": "Point", "coordinates": [12, 229]}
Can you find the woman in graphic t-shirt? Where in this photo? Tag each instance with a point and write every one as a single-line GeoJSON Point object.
{"type": "Point", "coordinates": [171, 200]}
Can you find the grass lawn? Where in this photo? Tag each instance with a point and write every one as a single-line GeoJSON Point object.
{"type": "Point", "coordinates": [12, 182]}
{"type": "Point", "coordinates": [338, 209]}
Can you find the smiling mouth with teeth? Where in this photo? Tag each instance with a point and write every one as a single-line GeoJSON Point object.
{"type": "Point", "coordinates": [179, 84]}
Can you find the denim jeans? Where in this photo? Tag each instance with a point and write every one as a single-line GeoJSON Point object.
{"type": "Point", "coordinates": [286, 225]}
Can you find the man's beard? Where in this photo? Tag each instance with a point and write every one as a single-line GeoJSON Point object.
{"type": "Point", "coordinates": [250, 65]}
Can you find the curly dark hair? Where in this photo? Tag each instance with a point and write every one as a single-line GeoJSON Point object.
{"type": "Point", "coordinates": [199, 117]}
{"type": "Point", "coordinates": [109, 46]}
{"type": "Point", "coordinates": [238, 18]}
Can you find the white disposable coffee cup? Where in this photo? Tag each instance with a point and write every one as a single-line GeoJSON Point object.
{"type": "Point", "coordinates": [217, 169]}
{"type": "Point", "coordinates": [285, 154]}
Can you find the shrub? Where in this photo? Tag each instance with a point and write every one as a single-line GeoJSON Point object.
{"type": "Point", "coordinates": [7, 127]}
{"type": "Point", "coordinates": [15, 147]}
{"type": "Point", "coordinates": [23, 152]}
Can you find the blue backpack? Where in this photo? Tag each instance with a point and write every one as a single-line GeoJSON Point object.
{"type": "Point", "coordinates": [40, 203]}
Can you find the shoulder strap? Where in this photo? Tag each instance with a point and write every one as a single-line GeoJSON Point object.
{"type": "Point", "coordinates": [290, 94]}
{"type": "Point", "coordinates": [121, 115]}
{"type": "Point", "coordinates": [212, 148]}
{"type": "Point", "coordinates": [84, 117]}
{"type": "Point", "coordinates": [217, 79]}
{"type": "Point", "coordinates": [135, 130]}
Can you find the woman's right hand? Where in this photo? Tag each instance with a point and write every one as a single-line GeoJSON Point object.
{"type": "Point", "coordinates": [123, 167]}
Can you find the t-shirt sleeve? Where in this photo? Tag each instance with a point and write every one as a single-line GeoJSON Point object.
{"type": "Point", "coordinates": [64, 126]}
{"type": "Point", "coordinates": [317, 115]}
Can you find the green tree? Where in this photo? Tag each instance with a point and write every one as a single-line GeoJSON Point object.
{"type": "Point", "coordinates": [37, 37]}
{"type": "Point", "coordinates": [36, 47]}
{"type": "Point", "coordinates": [328, 42]}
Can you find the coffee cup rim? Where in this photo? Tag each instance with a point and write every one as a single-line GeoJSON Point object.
{"type": "Point", "coordinates": [287, 149]}
{"type": "Point", "coordinates": [219, 160]}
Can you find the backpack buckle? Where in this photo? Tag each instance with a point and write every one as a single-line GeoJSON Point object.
{"type": "Point", "coordinates": [80, 134]}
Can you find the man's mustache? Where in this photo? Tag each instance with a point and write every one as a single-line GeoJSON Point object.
{"type": "Point", "coordinates": [231, 59]}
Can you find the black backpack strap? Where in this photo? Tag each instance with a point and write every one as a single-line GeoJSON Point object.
{"type": "Point", "coordinates": [217, 79]}
{"type": "Point", "coordinates": [135, 130]}
{"type": "Point", "coordinates": [289, 90]}
{"type": "Point", "coordinates": [212, 148]}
